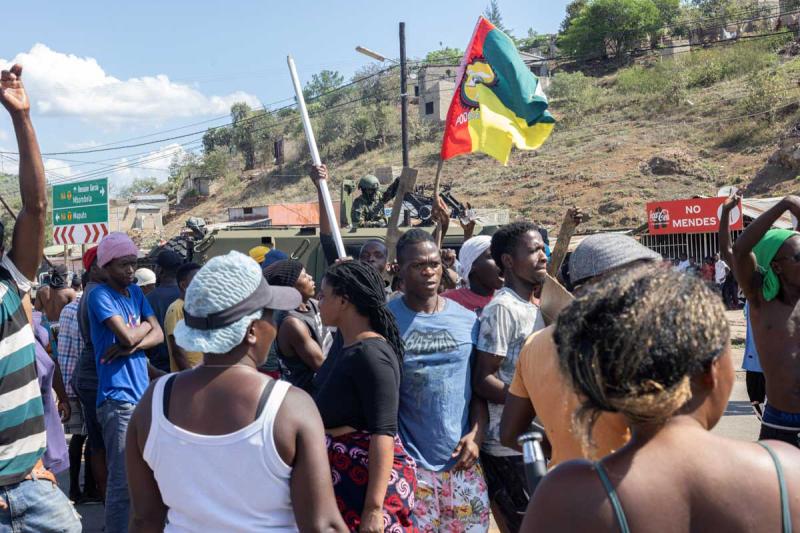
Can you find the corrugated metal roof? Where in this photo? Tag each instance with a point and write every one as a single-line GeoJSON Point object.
{"type": "Point", "coordinates": [150, 198]}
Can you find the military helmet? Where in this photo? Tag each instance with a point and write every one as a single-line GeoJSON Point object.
{"type": "Point", "coordinates": [369, 182]}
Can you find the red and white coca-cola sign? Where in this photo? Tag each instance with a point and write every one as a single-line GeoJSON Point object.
{"type": "Point", "coordinates": [693, 215]}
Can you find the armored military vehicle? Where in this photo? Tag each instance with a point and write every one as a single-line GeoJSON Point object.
{"type": "Point", "coordinates": [197, 243]}
{"type": "Point", "coordinates": [303, 242]}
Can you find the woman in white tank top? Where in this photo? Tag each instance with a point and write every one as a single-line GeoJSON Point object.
{"type": "Point", "coordinates": [222, 447]}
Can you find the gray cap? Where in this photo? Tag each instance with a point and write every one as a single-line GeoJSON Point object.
{"type": "Point", "coordinates": [597, 254]}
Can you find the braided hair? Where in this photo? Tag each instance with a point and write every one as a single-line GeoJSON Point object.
{"type": "Point", "coordinates": [631, 344]}
{"type": "Point", "coordinates": [363, 287]}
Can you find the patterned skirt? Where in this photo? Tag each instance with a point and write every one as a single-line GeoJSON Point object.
{"type": "Point", "coordinates": [349, 458]}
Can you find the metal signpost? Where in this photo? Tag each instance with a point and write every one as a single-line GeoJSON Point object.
{"type": "Point", "coordinates": [80, 212]}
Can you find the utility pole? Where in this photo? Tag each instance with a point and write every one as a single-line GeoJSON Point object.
{"type": "Point", "coordinates": [403, 93]}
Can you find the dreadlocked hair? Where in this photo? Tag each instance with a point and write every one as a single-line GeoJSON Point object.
{"type": "Point", "coordinates": [363, 287]}
{"type": "Point", "coordinates": [631, 344]}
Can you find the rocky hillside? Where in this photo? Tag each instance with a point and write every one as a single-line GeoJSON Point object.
{"type": "Point", "coordinates": [657, 130]}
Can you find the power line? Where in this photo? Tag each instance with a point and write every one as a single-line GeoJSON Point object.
{"type": "Point", "coordinates": [562, 57]}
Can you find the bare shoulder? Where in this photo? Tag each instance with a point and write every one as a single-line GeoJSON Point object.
{"type": "Point", "coordinates": [297, 420]}
{"type": "Point", "coordinates": [292, 327]}
{"type": "Point", "coordinates": [298, 412]}
{"type": "Point", "coordinates": [789, 459]}
{"type": "Point", "coordinates": [571, 487]}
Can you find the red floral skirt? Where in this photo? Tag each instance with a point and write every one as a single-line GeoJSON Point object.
{"type": "Point", "coordinates": [349, 458]}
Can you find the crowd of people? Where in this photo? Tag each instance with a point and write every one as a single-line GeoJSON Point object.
{"type": "Point", "coordinates": [241, 396]}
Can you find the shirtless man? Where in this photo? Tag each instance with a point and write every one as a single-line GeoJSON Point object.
{"type": "Point", "coordinates": [51, 299]}
{"type": "Point", "coordinates": [766, 263]}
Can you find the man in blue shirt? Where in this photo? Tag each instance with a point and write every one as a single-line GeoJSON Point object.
{"type": "Point", "coordinates": [123, 326]}
{"type": "Point", "coordinates": [441, 422]}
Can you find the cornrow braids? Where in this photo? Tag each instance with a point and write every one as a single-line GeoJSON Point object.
{"type": "Point", "coordinates": [363, 287]}
{"type": "Point", "coordinates": [630, 344]}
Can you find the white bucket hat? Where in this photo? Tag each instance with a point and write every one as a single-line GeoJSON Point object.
{"type": "Point", "coordinates": [223, 299]}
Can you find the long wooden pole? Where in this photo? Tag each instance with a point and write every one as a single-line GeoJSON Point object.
{"type": "Point", "coordinates": [436, 196]}
{"type": "Point", "coordinates": [408, 178]}
{"type": "Point", "coordinates": [312, 146]}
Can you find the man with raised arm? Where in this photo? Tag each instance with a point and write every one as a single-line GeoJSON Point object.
{"type": "Point", "coordinates": [28, 497]}
{"type": "Point", "coordinates": [766, 264]}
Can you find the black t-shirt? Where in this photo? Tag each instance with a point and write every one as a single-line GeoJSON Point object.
{"type": "Point", "coordinates": [359, 386]}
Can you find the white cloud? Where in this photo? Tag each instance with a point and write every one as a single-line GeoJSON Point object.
{"type": "Point", "coordinates": [153, 165]}
{"type": "Point", "coordinates": [68, 85]}
{"type": "Point", "coordinates": [57, 169]}
{"type": "Point", "coordinates": [3, 135]}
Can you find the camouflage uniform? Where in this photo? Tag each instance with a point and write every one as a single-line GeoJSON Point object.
{"type": "Point", "coordinates": [367, 210]}
{"type": "Point", "coordinates": [368, 214]}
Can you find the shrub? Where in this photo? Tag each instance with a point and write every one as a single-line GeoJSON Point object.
{"type": "Point", "coordinates": [766, 94]}
{"type": "Point", "coordinates": [574, 94]}
{"type": "Point", "coordinates": [652, 79]}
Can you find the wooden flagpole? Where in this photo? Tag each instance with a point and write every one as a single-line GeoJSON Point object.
{"type": "Point", "coordinates": [435, 203]}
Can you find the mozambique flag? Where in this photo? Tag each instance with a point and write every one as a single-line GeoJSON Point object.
{"type": "Point", "coordinates": [498, 101]}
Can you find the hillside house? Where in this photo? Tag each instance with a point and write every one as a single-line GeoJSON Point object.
{"type": "Point", "coordinates": [194, 186]}
{"type": "Point", "coordinates": [158, 200]}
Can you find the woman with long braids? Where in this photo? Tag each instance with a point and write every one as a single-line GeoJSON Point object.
{"type": "Point", "coordinates": [357, 394]}
{"type": "Point", "coordinates": [654, 346]}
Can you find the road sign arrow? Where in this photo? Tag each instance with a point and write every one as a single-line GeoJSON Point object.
{"type": "Point", "coordinates": [102, 191]}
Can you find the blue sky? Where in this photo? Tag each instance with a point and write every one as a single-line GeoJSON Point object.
{"type": "Point", "coordinates": [100, 72]}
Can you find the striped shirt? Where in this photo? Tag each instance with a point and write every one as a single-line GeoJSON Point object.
{"type": "Point", "coordinates": [22, 434]}
{"type": "Point", "coordinates": [70, 343]}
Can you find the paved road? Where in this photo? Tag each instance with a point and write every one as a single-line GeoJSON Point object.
{"type": "Point", "coordinates": [738, 422]}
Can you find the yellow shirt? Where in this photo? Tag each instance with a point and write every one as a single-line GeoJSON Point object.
{"type": "Point", "coordinates": [539, 378]}
{"type": "Point", "coordinates": [171, 319]}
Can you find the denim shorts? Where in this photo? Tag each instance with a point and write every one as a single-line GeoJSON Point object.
{"type": "Point", "coordinates": [37, 506]}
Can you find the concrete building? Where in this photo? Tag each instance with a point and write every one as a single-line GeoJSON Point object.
{"type": "Point", "coordinates": [159, 200]}
{"type": "Point", "coordinates": [194, 186]}
{"type": "Point", "coordinates": [147, 217]}
{"type": "Point", "coordinates": [436, 85]}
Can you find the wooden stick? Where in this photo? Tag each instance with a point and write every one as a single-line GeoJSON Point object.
{"type": "Point", "coordinates": [8, 208]}
{"type": "Point", "coordinates": [408, 178]}
{"type": "Point", "coordinates": [435, 203]}
{"type": "Point", "coordinates": [562, 245]}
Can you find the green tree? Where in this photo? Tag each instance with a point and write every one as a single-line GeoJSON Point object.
{"type": "Point", "coordinates": [139, 186]}
{"type": "Point", "coordinates": [533, 40]}
{"type": "Point", "coordinates": [323, 83]}
{"type": "Point", "coordinates": [216, 138]}
{"type": "Point", "coordinates": [610, 27]}
{"type": "Point", "coordinates": [668, 11]}
{"type": "Point", "coordinates": [444, 55]}
{"type": "Point", "coordinates": [242, 134]}
{"type": "Point", "coordinates": [573, 10]}
{"type": "Point", "coordinates": [492, 13]}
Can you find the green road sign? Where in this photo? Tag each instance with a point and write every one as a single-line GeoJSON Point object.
{"type": "Point", "coordinates": [82, 202]}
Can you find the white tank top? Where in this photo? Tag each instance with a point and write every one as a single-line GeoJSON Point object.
{"type": "Point", "coordinates": [234, 482]}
